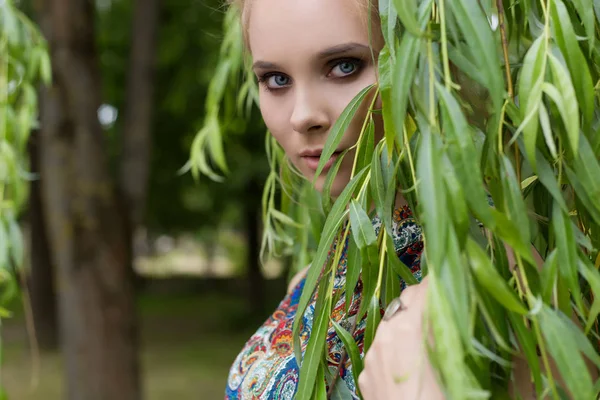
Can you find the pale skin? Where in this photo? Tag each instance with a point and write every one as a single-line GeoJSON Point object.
{"type": "Point", "coordinates": [311, 58]}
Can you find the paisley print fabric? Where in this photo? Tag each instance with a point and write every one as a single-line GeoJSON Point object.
{"type": "Point", "coordinates": [266, 368]}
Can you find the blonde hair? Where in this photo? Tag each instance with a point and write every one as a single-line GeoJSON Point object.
{"type": "Point", "coordinates": [244, 8]}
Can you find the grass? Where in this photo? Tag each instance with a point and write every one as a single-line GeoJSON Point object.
{"type": "Point", "coordinates": [188, 343]}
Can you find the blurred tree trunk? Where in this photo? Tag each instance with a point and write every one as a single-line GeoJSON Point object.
{"type": "Point", "coordinates": [136, 137]}
{"type": "Point", "coordinates": [255, 277]}
{"type": "Point", "coordinates": [87, 226]}
{"type": "Point", "coordinates": [41, 277]}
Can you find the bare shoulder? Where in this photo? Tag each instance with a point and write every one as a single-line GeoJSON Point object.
{"type": "Point", "coordinates": [297, 278]}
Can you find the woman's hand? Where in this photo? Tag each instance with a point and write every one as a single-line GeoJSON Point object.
{"type": "Point", "coordinates": [396, 365]}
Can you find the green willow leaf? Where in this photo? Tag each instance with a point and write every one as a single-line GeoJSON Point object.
{"type": "Point", "coordinates": [530, 92]}
{"type": "Point", "coordinates": [4, 246]}
{"type": "Point", "coordinates": [391, 288]}
{"type": "Point", "coordinates": [385, 66]}
{"type": "Point", "coordinates": [316, 344]}
{"type": "Point", "coordinates": [362, 228]}
{"type": "Point", "coordinates": [389, 19]}
{"type": "Point", "coordinates": [585, 9]}
{"type": "Point", "coordinates": [572, 368]}
{"type": "Point", "coordinates": [515, 206]}
{"type": "Point", "coordinates": [528, 346]}
{"type": "Point", "coordinates": [488, 277]}
{"type": "Point", "coordinates": [341, 391]}
{"type": "Point", "coordinates": [592, 276]}
{"type": "Point", "coordinates": [373, 318]}
{"type": "Point", "coordinates": [366, 146]}
{"type": "Point", "coordinates": [15, 238]}
{"type": "Point", "coordinates": [583, 343]}
{"type": "Point", "coordinates": [587, 167]}
{"type": "Point", "coordinates": [457, 200]}
{"type": "Point", "coordinates": [569, 46]}
{"type": "Point", "coordinates": [377, 184]}
{"type": "Point", "coordinates": [446, 339]}
{"type": "Point", "coordinates": [383, 193]}
{"type": "Point", "coordinates": [549, 276]}
{"type": "Point", "coordinates": [353, 268]}
{"type": "Point", "coordinates": [390, 32]}
{"type": "Point", "coordinates": [321, 388]}
{"type": "Point", "coordinates": [388, 205]}
{"type": "Point", "coordinates": [547, 130]}
{"type": "Point", "coordinates": [370, 275]}
{"type": "Point", "coordinates": [510, 234]}
{"type": "Point", "coordinates": [567, 253]}
{"type": "Point", "coordinates": [45, 67]}
{"type": "Point", "coordinates": [332, 223]}
{"type": "Point", "coordinates": [493, 314]}
{"type": "Point", "coordinates": [457, 56]}
{"type": "Point", "coordinates": [407, 12]}
{"type": "Point", "coordinates": [563, 95]}
{"type": "Point", "coordinates": [403, 73]}
{"type": "Point", "coordinates": [398, 266]}
{"type": "Point", "coordinates": [432, 198]}
{"type": "Point", "coordinates": [351, 349]}
{"type": "Point", "coordinates": [334, 137]}
{"type": "Point", "coordinates": [463, 154]}
{"type": "Point", "coordinates": [548, 179]}
{"type": "Point", "coordinates": [331, 174]}
{"type": "Point", "coordinates": [454, 278]}
{"type": "Point", "coordinates": [284, 219]}
{"type": "Point", "coordinates": [478, 34]}
{"type": "Point", "coordinates": [582, 191]}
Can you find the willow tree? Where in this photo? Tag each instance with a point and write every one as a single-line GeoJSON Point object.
{"type": "Point", "coordinates": [23, 62]}
{"type": "Point", "coordinates": [491, 133]}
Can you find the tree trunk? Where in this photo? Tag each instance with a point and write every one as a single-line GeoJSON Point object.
{"type": "Point", "coordinates": [256, 279]}
{"type": "Point", "coordinates": [136, 138]}
{"type": "Point", "coordinates": [41, 275]}
{"type": "Point", "coordinates": [89, 238]}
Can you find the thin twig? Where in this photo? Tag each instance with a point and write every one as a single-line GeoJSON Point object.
{"type": "Point", "coordinates": [502, 25]}
{"type": "Point", "coordinates": [509, 82]}
{"type": "Point", "coordinates": [33, 341]}
{"type": "Point", "coordinates": [343, 358]}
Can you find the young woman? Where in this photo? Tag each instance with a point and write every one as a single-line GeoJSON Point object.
{"type": "Point", "coordinates": [311, 58]}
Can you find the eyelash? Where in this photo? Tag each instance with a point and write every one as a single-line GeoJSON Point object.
{"type": "Point", "coordinates": [358, 63]}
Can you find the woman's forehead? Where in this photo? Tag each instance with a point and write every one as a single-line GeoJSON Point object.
{"type": "Point", "coordinates": [277, 27]}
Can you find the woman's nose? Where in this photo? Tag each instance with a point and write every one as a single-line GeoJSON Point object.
{"type": "Point", "coordinates": [309, 114]}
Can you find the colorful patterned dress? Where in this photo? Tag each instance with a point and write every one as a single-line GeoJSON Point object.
{"type": "Point", "coordinates": [266, 368]}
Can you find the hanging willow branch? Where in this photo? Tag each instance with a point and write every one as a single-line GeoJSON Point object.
{"type": "Point", "coordinates": [460, 136]}
{"type": "Point", "coordinates": [24, 60]}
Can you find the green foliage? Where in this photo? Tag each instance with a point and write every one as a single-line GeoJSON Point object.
{"type": "Point", "coordinates": [187, 52]}
{"type": "Point", "coordinates": [24, 62]}
{"type": "Point", "coordinates": [458, 133]}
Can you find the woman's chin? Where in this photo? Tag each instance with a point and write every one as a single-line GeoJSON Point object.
{"type": "Point", "coordinates": [337, 187]}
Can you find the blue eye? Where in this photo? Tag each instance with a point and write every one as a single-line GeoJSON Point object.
{"type": "Point", "coordinates": [275, 81]}
{"type": "Point", "coordinates": [345, 68]}
{"type": "Point", "coordinates": [281, 80]}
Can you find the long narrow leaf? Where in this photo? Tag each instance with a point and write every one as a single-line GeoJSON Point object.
{"type": "Point", "coordinates": [489, 278]}
{"type": "Point", "coordinates": [339, 128]}
{"type": "Point", "coordinates": [333, 222]}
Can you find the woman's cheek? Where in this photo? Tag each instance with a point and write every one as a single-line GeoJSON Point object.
{"type": "Point", "coordinates": [272, 115]}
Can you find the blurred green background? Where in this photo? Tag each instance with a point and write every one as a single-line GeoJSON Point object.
{"type": "Point", "coordinates": [200, 289]}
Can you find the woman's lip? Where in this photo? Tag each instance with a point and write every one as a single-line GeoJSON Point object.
{"type": "Point", "coordinates": [312, 162]}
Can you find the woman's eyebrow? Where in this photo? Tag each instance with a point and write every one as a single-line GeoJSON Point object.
{"type": "Point", "coordinates": [265, 65]}
{"type": "Point", "coordinates": [341, 49]}
{"type": "Point", "coordinates": [328, 52]}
